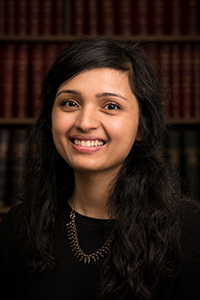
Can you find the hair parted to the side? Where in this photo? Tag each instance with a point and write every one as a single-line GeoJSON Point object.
{"type": "Point", "coordinates": [143, 198]}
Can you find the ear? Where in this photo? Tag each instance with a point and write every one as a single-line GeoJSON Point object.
{"type": "Point", "coordinates": [139, 137]}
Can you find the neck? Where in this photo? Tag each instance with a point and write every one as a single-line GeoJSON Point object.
{"type": "Point", "coordinates": [91, 194]}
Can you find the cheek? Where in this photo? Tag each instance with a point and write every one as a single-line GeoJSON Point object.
{"type": "Point", "coordinates": [60, 143]}
{"type": "Point", "coordinates": [55, 132]}
{"type": "Point", "coordinates": [56, 140]}
{"type": "Point", "coordinates": [57, 129]}
{"type": "Point", "coordinates": [58, 133]}
{"type": "Point", "coordinates": [60, 124]}
{"type": "Point", "coordinates": [125, 130]}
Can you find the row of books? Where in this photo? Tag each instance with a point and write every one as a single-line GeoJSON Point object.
{"type": "Point", "coordinates": [11, 162]}
{"type": "Point", "coordinates": [128, 17]}
{"type": "Point", "coordinates": [33, 17]}
{"type": "Point", "coordinates": [183, 148]}
{"type": "Point", "coordinates": [93, 17]}
{"type": "Point", "coordinates": [22, 67]}
{"type": "Point", "coordinates": [178, 66]}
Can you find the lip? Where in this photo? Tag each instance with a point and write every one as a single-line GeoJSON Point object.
{"type": "Point", "coordinates": [90, 149]}
{"type": "Point", "coordinates": [86, 138]}
{"type": "Point", "coordinates": [82, 149]}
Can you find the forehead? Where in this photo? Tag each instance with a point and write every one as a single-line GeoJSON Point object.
{"type": "Point", "coordinates": [97, 77]}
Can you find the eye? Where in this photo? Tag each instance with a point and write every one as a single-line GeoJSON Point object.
{"type": "Point", "coordinates": [112, 106]}
{"type": "Point", "coordinates": [69, 103]}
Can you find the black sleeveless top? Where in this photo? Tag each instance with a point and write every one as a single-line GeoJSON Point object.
{"type": "Point", "coordinates": [74, 280]}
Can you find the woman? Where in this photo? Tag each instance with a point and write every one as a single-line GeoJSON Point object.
{"type": "Point", "coordinates": [102, 216]}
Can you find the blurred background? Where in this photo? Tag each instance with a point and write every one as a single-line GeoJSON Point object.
{"type": "Point", "coordinates": [33, 31]}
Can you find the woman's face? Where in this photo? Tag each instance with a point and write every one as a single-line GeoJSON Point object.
{"type": "Point", "coordinates": [95, 120]}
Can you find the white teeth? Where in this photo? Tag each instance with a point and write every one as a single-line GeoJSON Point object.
{"type": "Point", "coordinates": [88, 143]}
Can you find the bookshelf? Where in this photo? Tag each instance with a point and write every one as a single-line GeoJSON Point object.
{"type": "Point", "coordinates": [127, 38]}
{"type": "Point", "coordinates": [43, 30]}
{"type": "Point", "coordinates": [31, 120]}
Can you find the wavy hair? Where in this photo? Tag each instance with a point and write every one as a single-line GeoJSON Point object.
{"type": "Point", "coordinates": [143, 197]}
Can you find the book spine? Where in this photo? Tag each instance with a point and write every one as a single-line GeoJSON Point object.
{"type": "Point", "coordinates": [193, 16]}
{"type": "Point", "coordinates": [143, 17]}
{"type": "Point", "coordinates": [124, 17]}
{"type": "Point", "coordinates": [175, 79]}
{"type": "Point", "coordinates": [198, 19]}
{"type": "Point", "coordinates": [1, 76]}
{"type": "Point", "coordinates": [21, 17]}
{"type": "Point", "coordinates": [191, 146]}
{"type": "Point", "coordinates": [174, 150]}
{"type": "Point", "coordinates": [78, 17]}
{"type": "Point", "coordinates": [134, 12]}
{"type": "Point", "coordinates": [2, 17]}
{"type": "Point", "coordinates": [10, 17]}
{"type": "Point", "coordinates": [57, 17]}
{"type": "Point", "coordinates": [68, 14]}
{"type": "Point", "coordinates": [37, 71]}
{"type": "Point", "coordinates": [46, 17]}
{"type": "Point", "coordinates": [196, 80]}
{"type": "Point", "coordinates": [158, 17]}
{"type": "Point", "coordinates": [92, 17]}
{"type": "Point", "coordinates": [175, 17]}
{"type": "Point", "coordinates": [86, 17]}
{"type": "Point", "coordinates": [8, 79]}
{"type": "Point", "coordinates": [50, 51]}
{"type": "Point", "coordinates": [166, 16]}
{"type": "Point", "coordinates": [22, 79]}
{"type": "Point", "coordinates": [164, 52]}
{"type": "Point", "coordinates": [18, 137]}
{"type": "Point", "coordinates": [4, 158]}
{"type": "Point", "coordinates": [34, 21]}
{"type": "Point", "coordinates": [184, 17]}
{"type": "Point", "coordinates": [186, 81]}
{"type": "Point", "coordinates": [108, 26]}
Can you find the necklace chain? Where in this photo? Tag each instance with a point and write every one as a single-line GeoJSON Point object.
{"type": "Point", "coordinates": [75, 246]}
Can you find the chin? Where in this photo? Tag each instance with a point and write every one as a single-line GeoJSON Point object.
{"type": "Point", "coordinates": [86, 169]}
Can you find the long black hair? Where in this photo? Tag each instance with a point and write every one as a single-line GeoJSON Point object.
{"type": "Point", "coordinates": [143, 198]}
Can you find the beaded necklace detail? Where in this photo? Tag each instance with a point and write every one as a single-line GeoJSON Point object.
{"type": "Point", "coordinates": [75, 246]}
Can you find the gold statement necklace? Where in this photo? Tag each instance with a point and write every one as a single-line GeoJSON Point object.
{"type": "Point", "coordinates": [75, 246]}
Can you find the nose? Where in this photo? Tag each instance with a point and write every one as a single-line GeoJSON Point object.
{"type": "Point", "coordinates": [87, 120]}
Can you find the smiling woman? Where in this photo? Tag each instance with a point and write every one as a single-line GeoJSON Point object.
{"type": "Point", "coordinates": [95, 113]}
{"type": "Point", "coordinates": [101, 214]}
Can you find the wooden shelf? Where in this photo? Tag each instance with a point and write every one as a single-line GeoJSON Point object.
{"type": "Point", "coordinates": [17, 121]}
{"type": "Point", "coordinates": [71, 38]}
{"type": "Point", "coordinates": [31, 120]}
{"type": "Point", "coordinates": [184, 121]}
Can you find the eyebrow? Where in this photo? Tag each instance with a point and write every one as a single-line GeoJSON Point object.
{"type": "Point", "coordinates": [99, 95]}
{"type": "Point", "coordinates": [75, 92]}
{"type": "Point", "coordinates": [110, 94]}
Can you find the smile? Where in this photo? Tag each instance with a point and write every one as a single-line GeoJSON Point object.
{"type": "Point", "coordinates": [92, 143]}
